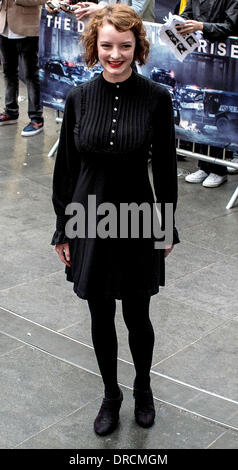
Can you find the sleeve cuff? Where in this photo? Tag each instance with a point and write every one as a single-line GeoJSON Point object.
{"type": "Point", "coordinates": [59, 235]}
{"type": "Point", "coordinates": [175, 236]}
{"type": "Point", "coordinates": [59, 238]}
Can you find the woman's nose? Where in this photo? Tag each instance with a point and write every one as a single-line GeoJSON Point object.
{"type": "Point", "coordinates": [115, 53]}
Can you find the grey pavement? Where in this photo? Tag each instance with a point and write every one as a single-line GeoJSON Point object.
{"type": "Point", "coordinates": [50, 384]}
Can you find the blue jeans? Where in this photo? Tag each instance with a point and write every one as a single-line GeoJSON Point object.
{"type": "Point", "coordinates": [27, 49]}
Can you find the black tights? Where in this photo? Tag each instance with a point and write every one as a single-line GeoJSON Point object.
{"type": "Point", "coordinates": [141, 339]}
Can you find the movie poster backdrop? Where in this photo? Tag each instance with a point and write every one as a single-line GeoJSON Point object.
{"type": "Point", "coordinates": [203, 88]}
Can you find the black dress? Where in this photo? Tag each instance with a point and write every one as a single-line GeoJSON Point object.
{"type": "Point", "coordinates": [107, 133]}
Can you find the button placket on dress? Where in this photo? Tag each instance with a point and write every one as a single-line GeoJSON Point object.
{"type": "Point", "coordinates": [114, 118]}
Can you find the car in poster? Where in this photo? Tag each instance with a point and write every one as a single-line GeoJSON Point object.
{"type": "Point", "coordinates": [167, 79]}
{"type": "Point", "coordinates": [163, 76]}
{"type": "Point", "coordinates": [58, 77]}
{"type": "Point", "coordinates": [208, 107]}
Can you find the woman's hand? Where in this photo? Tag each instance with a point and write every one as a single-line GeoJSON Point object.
{"type": "Point", "coordinates": [168, 250]}
{"type": "Point", "coordinates": [64, 254]}
{"type": "Point", "coordinates": [85, 9]}
{"type": "Point", "coordinates": [64, 5]}
{"type": "Point", "coordinates": [190, 26]}
{"type": "Point", "coordinates": [51, 8]}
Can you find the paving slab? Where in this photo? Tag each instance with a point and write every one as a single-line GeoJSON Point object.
{"type": "Point", "coordinates": [210, 363]}
{"type": "Point", "coordinates": [172, 430]}
{"type": "Point", "coordinates": [37, 390]}
{"type": "Point", "coordinates": [182, 395]}
{"type": "Point", "coordinates": [228, 440]}
{"type": "Point", "coordinates": [25, 205]}
{"type": "Point", "coordinates": [29, 258]}
{"type": "Point", "coordinates": [43, 179]}
{"type": "Point", "coordinates": [199, 402]}
{"type": "Point", "coordinates": [213, 288]}
{"type": "Point", "coordinates": [204, 207]}
{"type": "Point", "coordinates": [188, 257]}
{"type": "Point", "coordinates": [215, 235]}
{"type": "Point", "coordinates": [8, 344]}
{"type": "Point", "coordinates": [48, 301]}
{"type": "Point", "coordinates": [27, 165]}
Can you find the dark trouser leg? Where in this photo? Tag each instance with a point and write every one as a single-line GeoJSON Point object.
{"type": "Point", "coordinates": [9, 52]}
{"type": "Point", "coordinates": [105, 341]}
{"type": "Point", "coordinates": [141, 337]}
{"type": "Point", "coordinates": [28, 49]}
{"type": "Point", "coordinates": [211, 167]}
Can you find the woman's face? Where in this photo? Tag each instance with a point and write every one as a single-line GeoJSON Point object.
{"type": "Point", "coordinates": [115, 52]}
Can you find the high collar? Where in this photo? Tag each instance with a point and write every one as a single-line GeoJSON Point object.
{"type": "Point", "coordinates": [125, 85]}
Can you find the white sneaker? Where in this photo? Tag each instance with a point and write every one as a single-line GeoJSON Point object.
{"type": "Point", "coordinates": [233, 170]}
{"type": "Point", "coordinates": [213, 180]}
{"type": "Point", "coordinates": [196, 177]}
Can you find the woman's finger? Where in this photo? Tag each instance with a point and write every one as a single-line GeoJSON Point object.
{"type": "Point", "coordinates": [67, 254]}
{"type": "Point", "coordinates": [60, 249]}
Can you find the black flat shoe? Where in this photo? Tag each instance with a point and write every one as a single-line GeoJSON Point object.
{"type": "Point", "coordinates": [108, 415]}
{"type": "Point", "coordinates": [144, 408]}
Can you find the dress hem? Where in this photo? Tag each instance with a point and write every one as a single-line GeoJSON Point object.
{"type": "Point", "coordinates": [116, 295]}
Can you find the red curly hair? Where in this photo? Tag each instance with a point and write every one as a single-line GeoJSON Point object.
{"type": "Point", "coordinates": [123, 18]}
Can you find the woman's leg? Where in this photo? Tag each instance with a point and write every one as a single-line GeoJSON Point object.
{"type": "Point", "coordinates": [141, 342]}
{"type": "Point", "coordinates": [141, 336]}
{"type": "Point", "coordinates": [105, 344]}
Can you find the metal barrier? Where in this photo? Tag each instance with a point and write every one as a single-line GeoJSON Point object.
{"type": "Point", "coordinates": [217, 161]}
{"type": "Point", "coordinates": [55, 146]}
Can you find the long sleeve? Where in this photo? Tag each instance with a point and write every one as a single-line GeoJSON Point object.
{"type": "Point", "coordinates": [164, 160]}
{"type": "Point", "coordinates": [140, 6]}
{"type": "Point", "coordinates": [221, 24]}
{"type": "Point", "coordinates": [220, 30]}
{"type": "Point", "coordinates": [217, 31]}
{"type": "Point", "coordinates": [66, 170]}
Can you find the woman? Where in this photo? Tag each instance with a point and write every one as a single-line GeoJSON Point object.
{"type": "Point", "coordinates": [109, 126]}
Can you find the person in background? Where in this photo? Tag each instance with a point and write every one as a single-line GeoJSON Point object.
{"type": "Point", "coordinates": [216, 19]}
{"type": "Point", "coordinates": [144, 8]}
{"type": "Point", "coordinates": [179, 8]}
{"type": "Point", "coordinates": [109, 125]}
{"type": "Point", "coordinates": [231, 170]}
{"type": "Point", "coordinates": [19, 37]}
